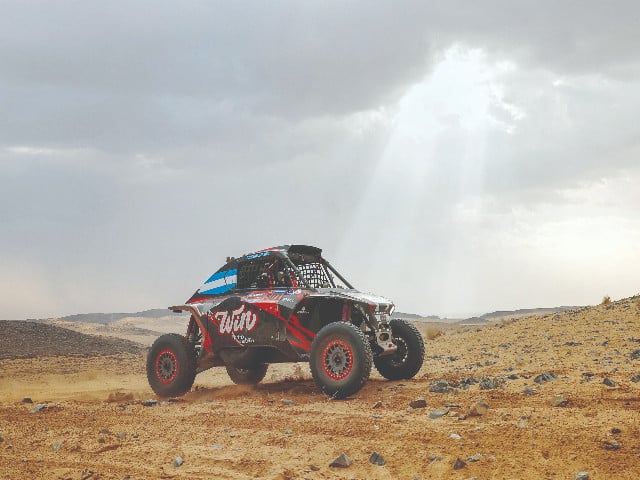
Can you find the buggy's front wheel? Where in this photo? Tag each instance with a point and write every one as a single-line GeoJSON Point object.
{"type": "Point", "coordinates": [340, 359]}
{"type": "Point", "coordinates": [407, 360]}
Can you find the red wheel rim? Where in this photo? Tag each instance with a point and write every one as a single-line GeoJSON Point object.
{"type": "Point", "coordinates": [166, 366]}
{"type": "Point", "coordinates": [337, 359]}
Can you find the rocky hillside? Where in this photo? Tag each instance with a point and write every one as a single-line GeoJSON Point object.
{"type": "Point", "coordinates": [23, 339]}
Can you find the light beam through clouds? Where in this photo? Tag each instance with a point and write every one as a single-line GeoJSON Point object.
{"type": "Point", "coordinates": [433, 160]}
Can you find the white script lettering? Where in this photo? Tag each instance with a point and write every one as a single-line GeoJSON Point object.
{"type": "Point", "coordinates": [235, 321]}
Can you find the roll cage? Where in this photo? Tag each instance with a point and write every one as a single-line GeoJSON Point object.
{"type": "Point", "coordinates": [293, 269]}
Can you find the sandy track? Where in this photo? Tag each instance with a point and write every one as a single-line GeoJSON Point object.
{"type": "Point", "coordinates": [227, 431]}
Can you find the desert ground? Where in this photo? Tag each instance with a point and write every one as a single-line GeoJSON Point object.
{"type": "Point", "coordinates": [553, 396]}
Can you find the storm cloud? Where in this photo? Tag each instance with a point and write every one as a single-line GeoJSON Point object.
{"type": "Point", "coordinates": [458, 157]}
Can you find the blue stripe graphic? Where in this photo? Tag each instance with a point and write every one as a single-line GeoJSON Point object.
{"type": "Point", "coordinates": [216, 290]}
{"type": "Point", "coordinates": [219, 275]}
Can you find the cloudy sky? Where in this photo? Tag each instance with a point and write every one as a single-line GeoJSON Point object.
{"type": "Point", "coordinates": [457, 157]}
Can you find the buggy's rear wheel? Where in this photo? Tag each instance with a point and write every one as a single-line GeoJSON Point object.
{"type": "Point", "coordinates": [171, 365]}
{"type": "Point", "coordinates": [247, 376]}
{"type": "Point", "coordinates": [340, 359]}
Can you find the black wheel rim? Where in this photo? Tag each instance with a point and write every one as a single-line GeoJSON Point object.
{"type": "Point", "coordinates": [400, 357]}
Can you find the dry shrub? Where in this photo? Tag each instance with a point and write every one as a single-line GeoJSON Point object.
{"type": "Point", "coordinates": [606, 300]}
{"type": "Point", "coordinates": [638, 303]}
{"type": "Point", "coordinates": [433, 332]}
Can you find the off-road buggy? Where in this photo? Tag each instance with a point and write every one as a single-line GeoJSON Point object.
{"type": "Point", "coordinates": [285, 304]}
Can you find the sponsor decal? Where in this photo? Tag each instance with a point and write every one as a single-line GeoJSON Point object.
{"type": "Point", "coordinates": [272, 297]}
{"type": "Point", "coordinates": [257, 255]}
{"type": "Point", "coordinates": [236, 323]}
{"type": "Point", "coordinates": [253, 297]}
{"type": "Point", "coordinates": [241, 339]}
{"type": "Point", "coordinates": [240, 320]}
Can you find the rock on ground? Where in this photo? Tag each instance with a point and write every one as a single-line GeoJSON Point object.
{"type": "Point", "coordinates": [545, 377]}
{"type": "Point", "coordinates": [440, 386]}
{"type": "Point", "coordinates": [419, 402]}
{"type": "Point", "coordinates": [377, 459]}
{"type": "Point", "coordinates": [459, 464]}
{"type": "Point", "coordinates": [343, 461]}
{"type": "Point", "coordinates": [478, 409]}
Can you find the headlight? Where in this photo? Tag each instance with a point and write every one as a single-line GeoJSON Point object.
{"type": "Point", "coordinates": [385, 309]}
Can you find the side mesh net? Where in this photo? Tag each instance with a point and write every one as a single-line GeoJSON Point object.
{"type": "Point", "coordinates": [267, 274]}
{"type": "Point", "coordinates": [315, 275]}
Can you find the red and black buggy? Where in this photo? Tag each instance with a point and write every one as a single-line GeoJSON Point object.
{"type": "Point", "coordinates": [285, 304]}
